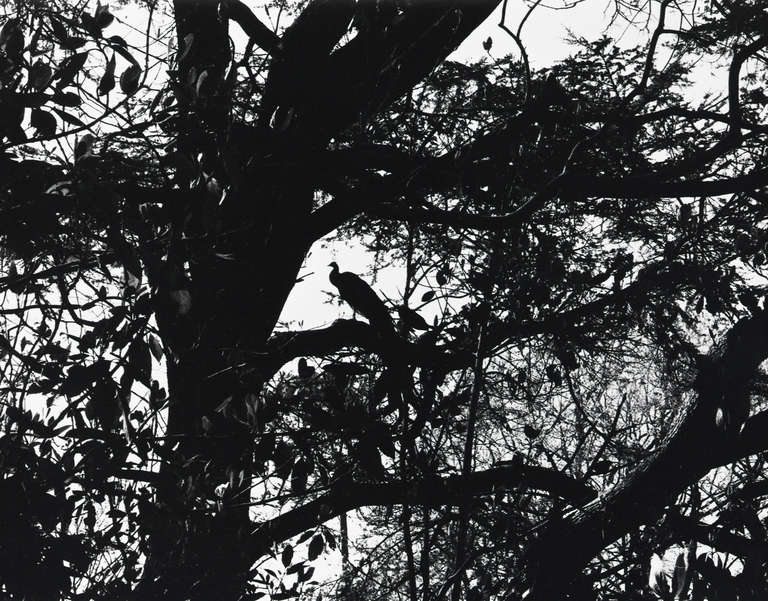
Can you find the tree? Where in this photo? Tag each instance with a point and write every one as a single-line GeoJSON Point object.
{"type": "Point", "coordinates": [590, 239]}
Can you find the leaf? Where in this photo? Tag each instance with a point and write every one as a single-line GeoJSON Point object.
{"type": "Point", "coordinates": [679, 575]}
{"type": "Point", "coordinates": [67, 118]}
{"type": "Point", "coordinates": [102, 17]}
{"type": "Point", "coordinates": [186, 46]}
{"type": "Point", "coordinates": [156, 347]}
{"type": "Point", "coordinates": [7, 30]}
{"type": "Point", "coordinates": [316, 547]}
{"type": "Point", "coordinates": [90, 25]}
{"type": "Point", "coordinates": [73, 43]}
{"type": "Point", "coordinates": [67, 99]}
{"type": "Point", "coordinates": [304, 537]}
{"type": "Point", "coordinates": [40, 75]}
{"type": "Point", "coordinates": [287, 556]}
{"type": "Point", "coordinates": [427, 296]}
{"type": "Point", "coordinates": [84, 146]}
{"type": "Point", "coordinates": [107, 81]}
{"type": "Point", "coordinates": [531, 432]}
{"type": "Point", "coordinates": [299, 477]}
{"type": "Point", "coordinates": [330, 539]}
{"type": "Point", "coordinates": [201, 89]}
{"type": "Point", "coordinates": [140, 362]}
{"type": "Point", "coordinates": [12, 39]}
{"type": "Point", "coordinates": [441, 278]}
{"type": "Point", "coordinates": [59, 31]}
{"type": "Point", "coordinates": [488, 44]}
{"type": "Point", "coordinates": [306, 574]}
{"type": "Point", "coordinates": [117, 42]}
{"type": "Point", "coordinates": [103, 405]}
{"type": "Point", "coordinates": [129, 80]}
{"type": "Point", "coordinates": [283, 458]}
{"type": "Point", "coordinates": [554, 375]}
{"type": "Point", "coordinates": [70, 68]}
{"type": "Point", "coordinates": [656, 578]}
{"type": "Point", "coordinates": [44, 122]}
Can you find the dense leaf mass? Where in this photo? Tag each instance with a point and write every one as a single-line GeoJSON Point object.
{"type": "Point", "coordinates": [550, 384]}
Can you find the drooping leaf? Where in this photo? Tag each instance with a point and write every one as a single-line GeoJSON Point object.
{"type": "Point", "coordinates": [129, 80]}
{"type": "Point", "coordinates": [287, 555]}
{"type": "Point", "coordinates": [102, 17]}
{"type": "Point", "coordinates": [156, 347]}
{"type": "Point", "coordinates": [107, 81]}
{"type": "Point", "coordinates": [12, 39]}
{"type": "Point", "coordinates": [103, 405]}
{"type": "Point", "coordinates": [186, 46]}
{"type": "Point", "coordinates": [66, 99]}
{"type": "Point", "coordinates": [40, 75]}
{"type": "Point", "coordinates": [117, 42]}
{"type": "Point", "coordinates": [59, 30]}
{"type": "Point", "coordinates": [553, 373]}
{"type": "Point", "coordinates": [531, 432]}
{"type": "Point", "coordinates": [140, 362]}
{"type": "Point", "coordinates": [84, 146]}
{"type": "Point", "coordinates": [201, 86]}
{"type": "Point", "coordinates": [44, 122]}
{"type": "Point", "coordinates": [70, 68]}
{"type": "Point", "coordinates": [316, 546]}
{"type": "Point", "coordinates": [283, 458]}
{"type": "Point", "coordinates": [67, 118]}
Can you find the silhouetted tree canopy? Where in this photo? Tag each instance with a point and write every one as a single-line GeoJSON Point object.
{"type": "Point", "coordinates": [548, 384]}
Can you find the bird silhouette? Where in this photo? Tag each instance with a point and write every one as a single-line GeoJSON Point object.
{"type": "Point", "coordinates": [411, 320]}
{"type": "Point", "coordinates": [360, 296]}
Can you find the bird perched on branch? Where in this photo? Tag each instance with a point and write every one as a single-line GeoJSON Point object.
{"type": "Point", "coordinates": [410, 320]}
{"type": "Point", "coordinates": [361, 297]}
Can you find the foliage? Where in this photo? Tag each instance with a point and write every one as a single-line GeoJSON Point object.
{"type": "Point", "coordinates": [570, 404]}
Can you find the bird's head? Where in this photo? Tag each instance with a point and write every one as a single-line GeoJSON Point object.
{"type": "Point", "coordinates": [333, 265]}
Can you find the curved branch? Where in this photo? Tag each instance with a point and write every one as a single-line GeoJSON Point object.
{"type": "Point", "coordinates": [734, 75]}
{"type": "Point", "coordinates": [578, 185]}
{"type": "Point", "coordinates": [432, 492]}
{"type": "Point", "coordinates": [720, 538]}
{"type": "Point", "coordinates": [262, 36]}
{"type": "Point", "coordinates": [283, 347]}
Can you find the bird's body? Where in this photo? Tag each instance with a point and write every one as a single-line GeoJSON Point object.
{"type": "Point", "coordinates": [412, 320]}
{"type": "Point", "coordinates": [361, 297]}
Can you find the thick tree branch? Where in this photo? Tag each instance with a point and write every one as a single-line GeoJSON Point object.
{"type": "Point", "coordinates": [262, 36]}
{"type": "Point", "coordinates": [720, 538]}
{"type": "Point", "coordinates": [694, 445]}
{"type": "Point", "coordinates": [346, 333]}
{"type": "Point", "coordinates": [734, 76]}
{"type": "Point", "coordinates": [381, 199]}
{"type": "Point", "coordinates": [431, 492]}
{"type": "Point", "coordinates": [377, 67]}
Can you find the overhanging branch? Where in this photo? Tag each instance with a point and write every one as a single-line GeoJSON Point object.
{"type": "Point", "coordinates": [430, 491]}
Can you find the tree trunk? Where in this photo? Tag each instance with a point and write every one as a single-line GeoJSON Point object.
{"type": "Point", "coordinates": [237, 257]}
